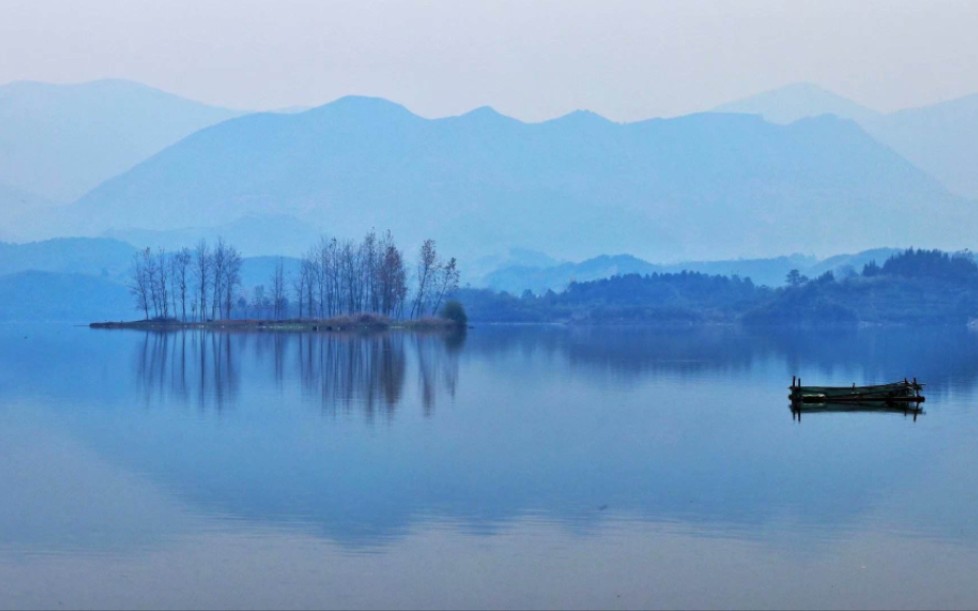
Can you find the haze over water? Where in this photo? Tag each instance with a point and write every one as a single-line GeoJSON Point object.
{"type": "Point", "coordinates": [510, 467]}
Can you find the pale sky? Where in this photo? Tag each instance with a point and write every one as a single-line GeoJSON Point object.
{"type": "Point", "coordinates": [626, 60]}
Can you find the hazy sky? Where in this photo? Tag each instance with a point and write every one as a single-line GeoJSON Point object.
{"type": "Point", "coordinates": [626, 60]}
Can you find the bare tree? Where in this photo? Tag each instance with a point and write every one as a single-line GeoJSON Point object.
{"type": "Point", "coordinates": [305, 287]}
{"type": "Point", "coordinates": [232, 278]}
{"type": "Point", "coordinates": [140, 285]}
{"type": "Point", "coordinates": [259, 302]}
{"type": "Point", "coordinates": [312, 270]}
{"type": "Point", "coordinates": [202, 268]}
{"type": "Point", "coordinates": [162, 282]}
{"type": "Point", "coordinates": [427, 269]}
{"type": "Point", "coordinates": [323, 261]}
{"type": "Point", "coordinates": [391, 285]}
{"type": "Point", "coordinates": [278, 290]}
{"type": "Point", "coordinates": [446, 282]}
{"type": "Point", "coordinates": [299, 286]}
{"type": "Point", "coordinates": [350, 277]}
{"type": "Point", "coordinates": [218, 275]}
{"type": "Point", "coordinates": [332, 277]}
{"type": "Point", "coordinates": [180, 266]}
{"type": "Point", "coordinates": [151, 267]}
{"type": "Point", "coordinates": [369, 260]}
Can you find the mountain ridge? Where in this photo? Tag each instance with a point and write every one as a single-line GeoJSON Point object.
{"type": "Point", "coordinates": [61, 140]}
{"type": "Point", "coordinates": [771, 271]}
{"type": "Point", "coordinates": [789, 103]}
{"type": "Point", "coordinates": [701, 186]}
{"type": "Point", "coordinates": [940, 138]}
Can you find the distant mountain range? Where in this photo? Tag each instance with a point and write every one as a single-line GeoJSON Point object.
{"type": "Point", "coordinates": [59, 141]}
{"type": "Point", "coordinates": [54, 296]}
{"type": "Point", "coordinates": [109, 259]}
{"type": "Point", "coordinates": [706, 186]}
{"type": "Point", "coordinates": [769, 272]}
{"type": "Point", "coordinates": [814, 173]}
{"type": "Point", "coordinates": [260, 235]}
{"type": "Point", "coordinates": [798, 101]}
{"type": "Point", "coordinates": [941, 139]}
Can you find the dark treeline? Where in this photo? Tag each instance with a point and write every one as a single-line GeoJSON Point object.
{"type": "Point", "coordinates": [686, 297]}
{"type": "Point", "coordinates": [912, 287]}
{"type": "Point", "coordinates": [334, 278]}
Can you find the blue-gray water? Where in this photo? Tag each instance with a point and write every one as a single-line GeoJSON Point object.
{"type": "Point", "coordinates": [513, 467]}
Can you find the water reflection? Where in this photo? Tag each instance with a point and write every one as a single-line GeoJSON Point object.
{"type": "Point", "coordinates": [149, 445]}
{"type": "Point", "coordinates": [878, 407]}
{"type": "Point", "coordinates": [190, 366]}
{"type": "Point", "coordinates": [940, 356]}
{"type": "Point", "coordinates": [345, 371]}
{"type": "Point", "coordinates": [571, 424]}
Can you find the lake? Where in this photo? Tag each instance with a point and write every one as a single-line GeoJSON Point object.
{"type": "Point", "coordinates": [512, 466]}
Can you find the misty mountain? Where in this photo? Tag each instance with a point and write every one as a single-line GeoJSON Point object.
{"type": "Point", "coordinates": [771, 272]}
{"type": "Point", "coordinates": [479, 269]}
{"type": "Point", "coordinates": [109, 259]}
{"type": "Point", "coordinates": [515, 279]}
{"type": "Point", "coordinates": [941, 139]}
{"type": "Point", "coordinates": [704, 186]}
{"type": "Point", "coordinates": [267, 235]}
{"type": "Point", "coordinates": [59, 141]}
{"type": "Point", "coordinates": [259, 271]}
{"type": "Point", "coordinates": [16, 206]}
{"type": "Point", "coordinates": [798, 101]}
{"type": "Point", "coordinates": [113, 259]}
{"type": "Point", "coordinates": [50, 296]}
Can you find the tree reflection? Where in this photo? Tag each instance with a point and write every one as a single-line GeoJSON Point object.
{"type": "Point", "coordinates": [346, 371]}
{"type": "Point", "coordinates": [189, 366]}
{"type": "Point", "coordinates": [437, 365]}
{"type": "Point", "coordinates": [368, 372]}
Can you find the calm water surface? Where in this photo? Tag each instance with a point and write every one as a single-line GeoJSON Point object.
{"type": "Point", "coordinates": [512, 467]}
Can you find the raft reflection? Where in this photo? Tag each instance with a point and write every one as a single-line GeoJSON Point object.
{"type": "Point", "coordinates": [874, 407]}
{"type": "Point", "coordinates": [346, 371]}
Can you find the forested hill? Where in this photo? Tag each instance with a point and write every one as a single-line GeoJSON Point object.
{"type": "Point", "coordinates": [912, 287]}
{"type": "Point", "coordinates": [686, 297]}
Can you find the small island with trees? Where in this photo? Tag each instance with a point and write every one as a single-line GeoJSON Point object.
{"type": "Point", "coordinates": [339, 285]}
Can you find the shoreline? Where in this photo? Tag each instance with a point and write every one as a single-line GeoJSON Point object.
{"type": "Point", "coordinates": [359, 322]}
